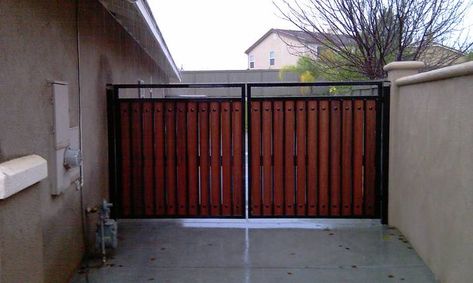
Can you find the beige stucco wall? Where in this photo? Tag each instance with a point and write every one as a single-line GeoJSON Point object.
{"type": "Point", "coordinates": [41, 235]}
{"type": "Point", "coordinates": [284, 53]}
{"type": "Point", "coordinates": [430, 174]}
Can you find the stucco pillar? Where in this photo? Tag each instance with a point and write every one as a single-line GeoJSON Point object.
{"type": "Point", "coordinates": [395, 71]}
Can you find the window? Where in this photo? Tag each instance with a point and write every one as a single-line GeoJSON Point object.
{"type": "Point", "coordinates": [271, 58]}
{"type": "Point", "coordinates": [251, 60]}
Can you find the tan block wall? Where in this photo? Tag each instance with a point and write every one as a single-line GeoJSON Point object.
{"type": "Point", "coordinates": [431, 180]}
{"type": "Point", "coordinates": [39, 44]}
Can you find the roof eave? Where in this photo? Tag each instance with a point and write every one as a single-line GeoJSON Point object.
{"type": "Point", "coordinates": [147, 15]}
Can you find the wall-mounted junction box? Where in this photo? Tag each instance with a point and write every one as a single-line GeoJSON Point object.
{"type": "Point", "coordinates": [66, 141]}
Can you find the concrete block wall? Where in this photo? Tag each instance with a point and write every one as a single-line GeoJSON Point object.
{"type": "Point", "coordinates": [431, 165]}
{"type": "Point", "coordinates": [41, 235]}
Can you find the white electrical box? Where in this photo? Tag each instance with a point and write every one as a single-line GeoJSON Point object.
{"type": "Point", "coordinates": [68, 155]}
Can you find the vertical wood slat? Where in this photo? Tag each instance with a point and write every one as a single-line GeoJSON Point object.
{"type": "Point", "coordinates": [278, 153]}
{"type": "Point", "coordinates": [215, 196]}
{"type": "Point", "coordinates": [147, 117]}
{"type": "Point", "coordinates": [301, 157]}
{"type": "Point", "coordinates": [193, 167]}
{"type": "Point", "coordinates": [347, 145]}
{"type": "Point", "coordinates": [289, 153]}
{"type": "Point", "coordinates": [170, 159]}
{"type": "Point", "coordinates": [181, 155]}
{"type": "Point", "coordinates": [370, 158]}
{"type": "Point", "coordinates": [335, 146]}
{"type": "Point", "coordinates": [312, 156]}
{"type": "Point", "coordinates": [358, 157]}
{"type": "Point", "coordinates": [237, 159]}
{"type": "Point", "coordinates": [324, 123]}
{"type": "Point", "coordinates": [255, 154]}
{"type": "Point", "coordinates": [125, 159]}
{"type": "Point", "coordinates": [137, 159]}
{"type": "Point", "coordinates": [204, 155]}
{"type": "Point", "coordinates": [266, 153]}
{"type": "Point", "coordinates": [226, 159]}
{"type": "Point", "coordinates": [159, 156]}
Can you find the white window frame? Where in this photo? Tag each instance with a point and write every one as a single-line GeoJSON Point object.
{"type": "Point", "coordinates": [272, 56]}
{"type": "Point", "coordinates": [251, 59]}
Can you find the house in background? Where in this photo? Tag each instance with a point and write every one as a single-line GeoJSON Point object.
{"type": "Point", "coordinates": [281, 47]}
{"type": "Point", "coordinates": [68, 50]}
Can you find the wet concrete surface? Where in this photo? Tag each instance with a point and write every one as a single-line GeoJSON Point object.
{"type": "Point", "coordinates": [258, 251]}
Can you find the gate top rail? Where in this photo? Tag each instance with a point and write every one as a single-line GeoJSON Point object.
{"type": "Point", "coordinates": [321, 83]}
{"type": "Point", "coordinates": [194, 85]}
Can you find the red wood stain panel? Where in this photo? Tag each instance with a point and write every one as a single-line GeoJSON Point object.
{"type": "Point", "coordinates": [267, 168]}
{"type": "Point", "coordinates": [226, 159]}
{"type": "Point", "coordinates": [335, 150]}
{"type": "Point", "coordinates": [204, 158]}
{"type": "Point", "coordinates": [126, 159]}
{"type": "Point", "coordinates": [301, 157]}
{"type": "Point", "coordinates": [278, 153]}
{"type": "Point", "coordinates": [237, 159]}
{"type": "Point", "coordinates": [148, 157]}
{"type": "Point", "coordinates": [215, 158]}
{"type": "Point", "coordinates": [137, 159]}
{"type": "Point", "coordinates": [312, 158]}
{"type": "Point", "coordinates": [347, 145]}
{"type": "Point", "coordinates": [181, 152]}
{"type": "Point", "coordinates": [255, 143]}
{"type": "Point", "coordinates": [370, 159]}
{"type": "Point", "coordinates": [289, 153]}
{"type": "Point", "coordinates": [170, 158]}
{"type": "Point", "coordinates": [358, 158]}
{"type": "Point", "coordinates": [159, 164]}
{"type": "Point", "coordinates": [192, 165]}
{"type": "Point", "coordinates": [324, 115]}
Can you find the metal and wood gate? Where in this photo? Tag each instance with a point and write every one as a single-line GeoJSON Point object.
{"type": "Point", "coordinates": [308, 156]}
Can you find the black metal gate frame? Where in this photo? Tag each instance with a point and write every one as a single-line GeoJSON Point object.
{"type": "Point", "coordinates": [382, 133]}
{"type": "Point", "coordinates": [113, 99]}
{"type": "Point", "coordinates": [382, 130]}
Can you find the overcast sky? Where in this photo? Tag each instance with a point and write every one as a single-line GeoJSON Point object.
{"type": "Point", "coordinates": [214, 34]}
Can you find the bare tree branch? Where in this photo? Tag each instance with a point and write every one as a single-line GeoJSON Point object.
{"type": "Point", "coordinates": [367, 34]}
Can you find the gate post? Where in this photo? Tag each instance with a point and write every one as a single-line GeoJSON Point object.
{"type": "Point", "coordinates": [112, 94]}
{"type": "Point", "coordinates": [385, 100]}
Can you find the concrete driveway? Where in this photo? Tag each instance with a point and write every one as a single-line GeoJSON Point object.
{"type": "Point", "coordinates": [259, 251]}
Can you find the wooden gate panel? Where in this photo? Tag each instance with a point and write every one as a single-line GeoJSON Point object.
{"type": "Point", "coordinates": [148, 159]}
{"type": "Point", "coordinates": [335, 150]}
{"type": "Point", "coordinates": [204, 158]}
{"type": "Point", "coordinates": [278, 156]}
{"type": "Point", "coordinates": [159, 159]}
{"type": "Point", "coordinates": [324, 147]}
{"type": "Point", "coordinates": [312, 157]}
{"type": "Point", "coordinates": [347, 147]}
{"type": "Point", "coordinates": [226, 159]}
{"type": "Point", "coordinates": [267, 130]}
{"type": "Point", "coordinates": [255, 155]}
{"type": "Point", "coordinates": [370, 158]}
{"type": "Point", "coordinates": [289, 158]}
{"type": "Point", "coordinates": [301, 157]}
{"type": "Point", "coordinates": [237, 160]}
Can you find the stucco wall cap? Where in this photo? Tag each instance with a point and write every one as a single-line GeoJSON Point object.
{"type": "Point", "coordinates": [404, 65]}
{"type": "Point", "coordinates": [465, 69]}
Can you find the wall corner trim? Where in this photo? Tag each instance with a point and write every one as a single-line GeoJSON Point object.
{"type": "Point", "coordinates": [459, 70]}
{"type": "Point", "coordinates": [20, 173]}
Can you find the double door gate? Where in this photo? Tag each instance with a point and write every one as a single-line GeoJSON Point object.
{"type": "Point", "coordinates": [308, 156]}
